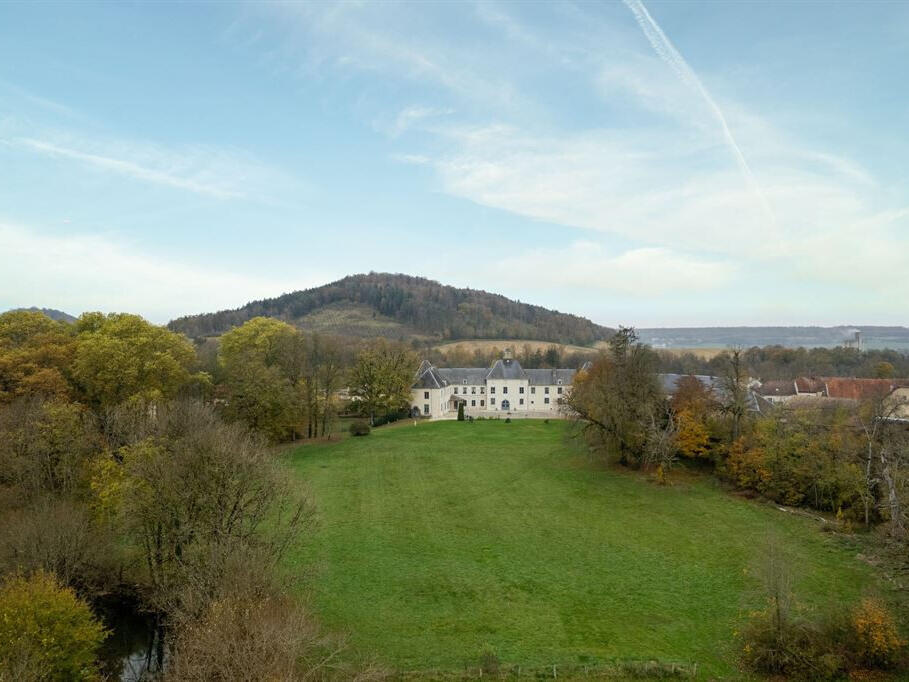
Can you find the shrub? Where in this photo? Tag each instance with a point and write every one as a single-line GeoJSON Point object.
{"type": "Point", "coordinates": [36, 611]}
{"type": "Point", "coordinates": [359, 428]}
{"type": "Point", "coordinates": [877, 639]}
{"type": "Point", "coordinates": [508, 420]}
{"type": "Point", "coordinates": [460, 412]}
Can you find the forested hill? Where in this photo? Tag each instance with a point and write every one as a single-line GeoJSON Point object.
{"type": "Point", "coordinates": [403, 307]}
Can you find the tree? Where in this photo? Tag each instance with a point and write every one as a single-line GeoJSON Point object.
{"type": "Point", "coordinates": [460, 411]}
{"type": "Point", "coordinates": [188, 492]}
{"type": "Point", "coordinates": [264, 363]}
{"type": "Point", "coordinates": [35, 356]}
{"type": "Point", "coordinates": [381, 378]}
{"type": "Point", "coordinates": [46, 632]}
{"type": "Point", "coordinates": [734, 399]}
{"type": "Point", "coordinates": [693, 403]}
{"type": "Point", "coordinates": [618, 398]}
{"type": "Point", "coordinates": [886, 454]}
{"type": "Point", "coordinates": [119, 357]}
{"type": "Point", "coordinates": [883, 370]}
{"type": "Point", "coordinates": [45, 446]}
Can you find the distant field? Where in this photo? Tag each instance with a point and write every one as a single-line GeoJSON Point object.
{"type": "Point", "coordinates": [355, 320]}
{"type": "Point", "coordinates": [439, 540]}
{"type": "Point", "coordinates": [703, 353]}
{"type": "Point", "coordinates": [487, 345]}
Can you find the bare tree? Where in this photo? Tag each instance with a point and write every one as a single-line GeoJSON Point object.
{"type": "Point", "coordinates": [886, 453]}
{"type": "Point", "coordinates": [734, 380]}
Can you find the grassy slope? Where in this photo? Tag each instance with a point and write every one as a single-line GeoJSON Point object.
{"type": "Point", "coordinates": [438, 539]}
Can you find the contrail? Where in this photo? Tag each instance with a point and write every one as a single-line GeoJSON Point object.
{"type": "Point", "coordinates": [667, 52]}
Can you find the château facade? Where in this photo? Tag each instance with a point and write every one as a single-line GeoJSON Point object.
{"type": "Point", "coordinates": [506, 387]}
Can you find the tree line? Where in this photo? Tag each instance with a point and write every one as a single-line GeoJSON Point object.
{"type": "Point", "coordinates": [778, 362]}
{"type": "Point", "coordinates": [136, 472]}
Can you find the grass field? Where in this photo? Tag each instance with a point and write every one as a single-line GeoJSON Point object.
{"type": "Point", "coordinates": [438, 540]}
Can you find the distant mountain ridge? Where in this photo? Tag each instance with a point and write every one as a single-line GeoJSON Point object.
{"type": "Point", "coordinates": [404, 307]}
{"type": "Point", "coordinates": [52, 313]}
{"type": "Point", "coordinates": [878, 337]}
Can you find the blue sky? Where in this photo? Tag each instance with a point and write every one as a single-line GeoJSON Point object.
{"type": "Point", "coordinates": [665, 163]}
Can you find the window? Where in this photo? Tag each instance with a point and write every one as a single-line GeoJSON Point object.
{"type": "Point", "coordinates": [465, 381]}
{"type": "Point", "coordinates": [546, 391]}
{"type": "Point", "coordinates": [482, 403]}
{"type": "Point", "coordinates": [473, 390]}
{"type": "Point", "coordinates": [482, 389]}
{"type": "Point", "coordinates": [533, 390]}
{"type": "Point", "coordinates": [559, 390]}
{"type": "Point", "coordinates": [504, 389]}
{"type": "Point", "coordinates": [425, 395]}
{"type": "Point", "coordinates": [473, 403]}
{"type": "Point", "coordinates": [425, 409]}
{"type": "Point", "coordinates": [492, 401]}
{"type": "Point", "coordinates": [464, 390]}
{"type": "Point", "coordinates": [492, 389]}
{"type": "Point", "coordinates": [520, 389]}
{"type": "Point", "coordinates": [546, 400]}
{"type": "Point", "coordinates": [521, 401]}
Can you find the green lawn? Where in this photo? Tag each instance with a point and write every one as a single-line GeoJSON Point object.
{"type": "Point", "coordinates": [438, 540]}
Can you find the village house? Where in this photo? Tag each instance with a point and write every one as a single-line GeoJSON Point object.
{"type": "Point", "coordinates": [506, 387]}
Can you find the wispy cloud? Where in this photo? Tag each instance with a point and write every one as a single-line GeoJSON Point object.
{"type": "Point", "coordinates": [131, 169]}
{"type": "Point", "coordinates": [669, 54]}
{"type": "Point", "coordinates": [586, 264]}
{"type": "Point", "coordinates": [203, 170]}
{"type": "Point", "coordinates": [94, 272]}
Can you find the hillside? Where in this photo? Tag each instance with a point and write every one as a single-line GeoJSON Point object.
{"type": "Point", "coordinates": [58, 315]}
{"type": "Point", "coordinates": [404, 307]}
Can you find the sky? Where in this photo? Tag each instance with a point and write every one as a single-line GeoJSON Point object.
{"type": "Point", "coordinates": [649, 164]}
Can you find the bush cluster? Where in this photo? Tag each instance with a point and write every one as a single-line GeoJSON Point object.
{"type": "Point", "coordinates": [824, 648]}
{"type": "Point", "coordinates": [359, 428]}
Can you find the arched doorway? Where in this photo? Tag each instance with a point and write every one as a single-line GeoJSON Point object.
{"type": "Point", "coordinates": [506, 405]}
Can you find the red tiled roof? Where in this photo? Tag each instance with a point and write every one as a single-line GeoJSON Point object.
{"type": "Point", "coordinates": [809, 385]}
{"type": "Point", "coordinates": [858, 389]}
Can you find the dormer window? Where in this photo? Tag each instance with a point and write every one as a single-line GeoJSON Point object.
{"type": "Point", "coordinates": [559, 382]}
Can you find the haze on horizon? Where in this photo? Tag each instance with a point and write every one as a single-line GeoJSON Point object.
{"type": "Point", "coordinates": [656, 164]}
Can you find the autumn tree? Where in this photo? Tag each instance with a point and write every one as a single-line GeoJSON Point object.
{"type": "Point", "coordinates": [381, 378]}
{"type": "Point", "coordinates": [35, 356]}
{"type": "Point", "coordinates": [618, 398]}
{"type": "Point", "coordinates": [264, 363]}
{"type": "Point", "coordinates": [119, 357]}
{"type": "Point", "coordinates": [46, 631]}
{"type": "Point", "coordinates": [693, 403]}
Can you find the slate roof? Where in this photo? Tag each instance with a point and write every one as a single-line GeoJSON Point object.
{"type": "Point", "coordinates": [429, 378]}
{"type": "Point", "coordinates": [475, 376]}
{"type": "Point", "coordinates": [669, 382]}
{"type": "Point", "coordinates": [549, 377]}
{"type": "Point", "coordinates": [507, 368]}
